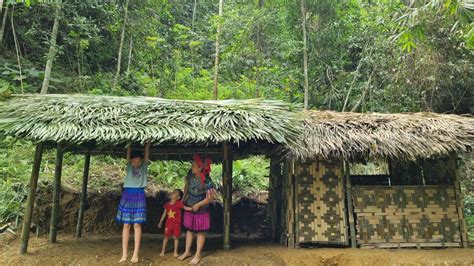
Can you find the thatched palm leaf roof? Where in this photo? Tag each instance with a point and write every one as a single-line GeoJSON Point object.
{"type": "Point", "coordinates": [113, 120]}
{"type": "Point", "coordinates": [408, 135]}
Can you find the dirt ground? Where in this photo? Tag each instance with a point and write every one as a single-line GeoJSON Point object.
{"type": "Point", "coordinates": [106, 251]}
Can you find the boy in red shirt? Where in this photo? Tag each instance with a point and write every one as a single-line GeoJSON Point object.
{"type": "Point", "coordinates": [173, 222]}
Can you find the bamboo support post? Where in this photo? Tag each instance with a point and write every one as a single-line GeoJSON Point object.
{"type": "Point", "coordinates": [295, 167]}
{"type": "Point", "coordinates": [344, 204]}
{"type": "Point", "coordinates": [227, 189]}
{"type": "Point", "coordinates": [56, 193]}
{"type": "Point", "coordinates": [291, 204]}
{"type": "Point", "coordinates": [274, 202]}
{"type": "Point", "coordinates": [85, 179]}
{"type": "Point", "coordinates": [452, 168]}
{"type": "Point", "coordinates": [349, 204]}
{"type": "Point", "coordinates": [277, 189]}
{"type": "Point", "coordinates": [30, 201]}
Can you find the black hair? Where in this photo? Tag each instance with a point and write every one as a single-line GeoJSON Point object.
{"type": "Point", "coordinates": [180, 192]}
{"type": "Point", "coordinates": [136, 154]}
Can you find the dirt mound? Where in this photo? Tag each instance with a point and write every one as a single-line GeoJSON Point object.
{"type": "Point", "coordinates": [248, 215]}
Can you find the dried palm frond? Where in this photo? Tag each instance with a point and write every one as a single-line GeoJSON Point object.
{"type": "Point", "coordinates": [403, 136]}
{"type": "Point", "coordinates": [113, 120]}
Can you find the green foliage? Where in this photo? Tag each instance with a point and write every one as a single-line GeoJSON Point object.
{"type": "Point", "coordinates": [248, 176]}
{"type": "Point", "coordinates": [386, 56]}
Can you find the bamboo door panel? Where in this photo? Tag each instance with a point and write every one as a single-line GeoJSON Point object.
{"type": "Point", "coordinates": [321, 206]}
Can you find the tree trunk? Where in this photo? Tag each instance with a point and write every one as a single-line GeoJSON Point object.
{"type": "Point", "coordinates": [4, 22]}
{"type": "Point", "coordinates": [305, 55]}
{"type": "Point", "coordinates": [192, 50]}
{"type": "Point", "coordinates": [17, 48]}
{"type": "Point", "coordinates": [53, 49]}
{"type": "Point", "coordinates": [257, 57]}
{"type": "Point", "coordinates": [130, 47]}
{"type": "Point", "coordinates": [1, 6]}
{"type": "Point", "coordinates": [122, 37]}
{"type": "Point", "coordinates": [216, 62]}
{"type": "Point", "coordinates": [194, 15]}
{"type": "Point", "coordinates": [346, 101]}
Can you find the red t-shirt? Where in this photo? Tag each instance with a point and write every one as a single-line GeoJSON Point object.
{"type": "Point", "coordinates": [173, 212]}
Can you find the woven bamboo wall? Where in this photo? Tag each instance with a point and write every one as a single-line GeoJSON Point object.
{"type": "Point", "coordinates": [320, 213]}
{"type": "Point", "coordinates": [406, 216]}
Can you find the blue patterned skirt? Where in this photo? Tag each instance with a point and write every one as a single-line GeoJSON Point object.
{"type": "Point", "coordinates": [132, 207]}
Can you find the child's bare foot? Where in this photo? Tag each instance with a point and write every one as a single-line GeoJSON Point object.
{"type": "Point", "coordinates": [175, 255]}
{"type": "Point", "coordinates": [184, 256]}
{"type": "Point", "coordinates": [162, 254]}
{"type": "Point", "coordinates": [134, 259]}
{"type": "Point", "coordinates": [123, 259]}
{"type": "Point", "coordinates": [195, 261]}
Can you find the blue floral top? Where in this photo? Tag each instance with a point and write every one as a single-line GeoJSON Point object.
{"type": "Point", "coordinates": [197, 191]}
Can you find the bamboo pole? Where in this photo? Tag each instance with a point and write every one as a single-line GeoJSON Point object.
{"type": "Point", "coordinates": [85, 179]}
{"type": "Point", "coordinates": [56, 193]}
{"type": "Point", "coordinates": [30, 201]}
{"type": "Point", "coordinates": [296, 168]}
{"type": "Point", "coordinates": [349, 204]}
{"type": "Point", "coordinates": [452, 168]}
{"type": "Point", "coordinates": [291, 204]}
{"type": "Point", "coordinates": [227, 188]}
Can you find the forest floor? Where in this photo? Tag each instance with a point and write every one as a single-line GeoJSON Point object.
{"type": "Point", "coordinates": [106, 251]}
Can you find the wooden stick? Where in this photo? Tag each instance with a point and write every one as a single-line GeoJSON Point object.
{"type": "Point", "coordinates": [56, 193]}
{"type": "Point", "coordinates": [452, 168]}
{"type": "Point", "coordinates": [349, 204]}
{"type": "Point", "coordinates": [227, 188]}
{"type": "Point", "coordinates": [85, 179]}
{"type": "Point", "coordinates": [30, 201]}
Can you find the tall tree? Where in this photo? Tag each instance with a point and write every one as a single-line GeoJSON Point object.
{"type": "Point", "coordinates": [53, 49]}
{"type": "Point", "coordinates": [216, 62]}
{"type": "Point", "coordinates": [17, 48]}
{"type": "Point", "coordinates": [4, 22]}
{"type": "Point", "coordinates": [130, 46]}
{"type": "Point", "coordinates": [122, 38]}
{"type": "Point", "coordinates": [305, 54]}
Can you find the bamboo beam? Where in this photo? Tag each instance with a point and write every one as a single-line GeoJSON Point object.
{"type": "Point", "coordinates": [30, 201]}
{"type": "Point", "coordinates": [56, 193]}
{"type": "Point", "coordinates": [452, 168]}
{"type": "Point", "coordinates": [85, 179]}
{"type": "Point", "coordinates": [227, 189]}
{"type": "Point", "coordinates": [349, 204]}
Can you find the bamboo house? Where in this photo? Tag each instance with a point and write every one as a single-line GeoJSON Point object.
{"type": "Point", "coordinates": [313, 199]}
{"type": "Point", "coordinates": [416, 203]}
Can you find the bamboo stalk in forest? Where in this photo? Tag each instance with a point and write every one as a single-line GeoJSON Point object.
{"type": "Point", "coordinates": [216, 62]}
{"type": "Point", "coordinates": [4, 22]}
{"type": "Point", "coordinates": [130, 47]}
{"type": "Point", "coordinates": [17, 48]}
{"type": "Point", "coordinates": [122, 37]}
{"type": "Point", "coordinates": [52, 49]}
{"type": "Point", "coordinates": [305, 55]}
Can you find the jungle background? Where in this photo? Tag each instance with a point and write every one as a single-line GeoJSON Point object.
{"type": "Point", "coordinates": [344, 55]}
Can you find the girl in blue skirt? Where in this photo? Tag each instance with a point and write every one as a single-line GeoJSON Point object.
{"type": "Point", "coordinates": [132, 207]}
